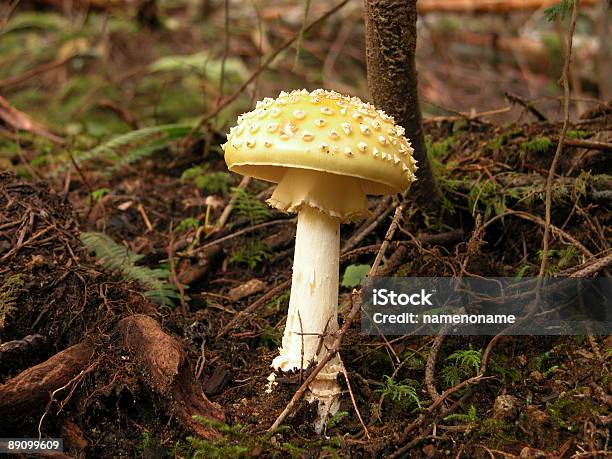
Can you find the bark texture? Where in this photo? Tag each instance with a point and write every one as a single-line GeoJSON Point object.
{"type": "Point", "coordinates": [30, 391]}
{"type": "Point", "coordinates": [392, 81]}
{"type": "Point", "coordinates": [168, 373]}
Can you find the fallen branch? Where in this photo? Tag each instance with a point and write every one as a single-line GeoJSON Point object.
{"type": "Point", "coordinates": [516, 99]}
{"type": "Point", "coordinates": [594, 267]}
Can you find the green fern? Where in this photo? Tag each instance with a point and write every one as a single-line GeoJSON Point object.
{"type": "Point", "coordinates": [471, 417]}
{"type": "Point", "coordinates": [248, 206]}
{"type": "Point", "coordinates": [561, 10]}
{"type": "Point", "coordinates": [468, 359]}
{"type": "Point", "coordinates": [396, 391]}
{"type": "Point", "coordinates": [116, 257]}
{"type": "Point", "coordinates": [133, 146]}
{"type": "Point", "coordinates": [462, 364]}
{"type": "Point", "coordinates": [336, 419]}
{"type": "Point", "coordinates": [251, 254]}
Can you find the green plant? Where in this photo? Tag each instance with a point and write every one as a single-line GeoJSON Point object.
{"type": "Point", "coordinates": [565, 411]}
{"type": "Point", "coordinates": [523, 270]}
{"type": "Point", "coordinates": [98, 194]}
{"type": "Point", "coordinates": [538, 144]}
{"type": "Point", "coordinates": [560, 10]}
{"type": "Point", "coordinates": [577, 134]}
{"type": "Point", "coordinates": [235, 442]}
{"type": "Point", "coordinates": [354, 275]}
{"type": "Point", "coordinates": [336, 419]}
{"type": "Point", "coordinates": [132, 146]}
{"type": "Point", "coordinates": [276, 304]}
{"type": "Point", "coordinates": [489, 198]}
{"type": "Point", "coordinates": [270, 337]}
{"type": "Point", "coordinates": [251, 254]}
{"type": "Point", "coordinates": [249, 206]}
{"type": "Point", "coordinates": [396, 391]}
{"type": "Point", "coordinates": [116, 257]}
{"type": "Point", "coordinates": [562, 258]}
{"type": "Point", "coordinates": [187, 224]}
{"type": "Point", "coordinates": [211, 182]}
{"type": "Point", "coordinates": [470, 417]}
{"type": "Point", "coordinates": [463, 363]}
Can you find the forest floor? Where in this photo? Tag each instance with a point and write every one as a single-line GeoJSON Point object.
{"type": "Point", "coordinates": [128, 333]}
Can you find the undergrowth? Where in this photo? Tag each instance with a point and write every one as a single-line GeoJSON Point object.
{"type": "Point", "coordinates": [125, 149]}
{"type": "Point", "coordinates": [116, 257]}
{"type": "Point", "coordinates": [249, 207]}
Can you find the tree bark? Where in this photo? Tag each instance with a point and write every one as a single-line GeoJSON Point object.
{"type": "Point", "coordinates": [392, 81]}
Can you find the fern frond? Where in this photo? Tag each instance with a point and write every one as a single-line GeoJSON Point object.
{"type": "Point", "coordinates": [248, 206]}
{"type": "Point", "coordinates": [134, 145]}
{"type": "Point", "coordinates": [116, 257]}
{"type": "Point", "coordinates": [467, 359]}
{"type": "Point", "coordinates": [560, 10]}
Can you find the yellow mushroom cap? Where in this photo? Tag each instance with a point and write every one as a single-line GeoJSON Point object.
{"type": "Point", "coordinates": [326, 132]}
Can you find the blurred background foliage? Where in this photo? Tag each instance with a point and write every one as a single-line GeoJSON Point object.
{"type": "Point", "coordinates": [89, 74]}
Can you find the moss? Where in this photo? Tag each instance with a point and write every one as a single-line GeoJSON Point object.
{"type": "Point", "coordinates": [539, 144]}
{"type": "Point", "coordinates": [577, 134]}
{"type": "Point", "coordinates": [566, 411]}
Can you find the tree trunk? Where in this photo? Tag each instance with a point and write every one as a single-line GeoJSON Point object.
{"type": "Point", "coordinates": [392, 81]}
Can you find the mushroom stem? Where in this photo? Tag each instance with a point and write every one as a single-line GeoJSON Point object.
{"type": "Point", "coordinates": [312, 319]}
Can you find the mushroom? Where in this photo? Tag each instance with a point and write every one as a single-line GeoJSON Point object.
{"type": "Point", "coordinates": [326, 152]}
